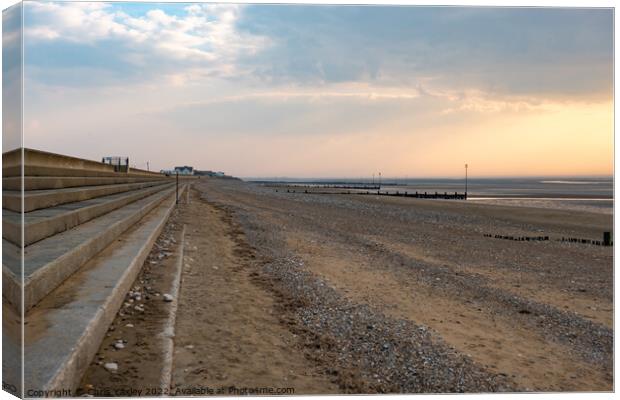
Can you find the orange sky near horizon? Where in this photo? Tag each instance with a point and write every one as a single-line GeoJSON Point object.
{"type": "Point", "coordinates": [559, 140]}
{"type": "Point", "coordinates": [554, 139]}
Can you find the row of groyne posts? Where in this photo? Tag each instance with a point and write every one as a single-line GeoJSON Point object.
{"type": "Point", "coordinates": [371, 191]}
{"type": "Point", "coordinates": [607, 241]}
{"type": "Point", "coordinates": [425, 195]}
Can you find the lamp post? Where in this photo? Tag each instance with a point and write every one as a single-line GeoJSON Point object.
{"type": "Point", "coordinates": [465, 181]}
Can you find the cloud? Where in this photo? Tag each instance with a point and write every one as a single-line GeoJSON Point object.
{"type": "Point", "coordinates": [204, 36]}
{"type": "Point", "coordinates": [12, 32]}
{"type": "Point", "coordinates": [72, 21]}
{"type": "Point", "coordinates": [538, 51]}
{"type": "Point", "coordinates": [11, 77]}
{"type": "Point", "coordinates": [551, 53]}
{"type": "Point", "coordinates": [334, 110]}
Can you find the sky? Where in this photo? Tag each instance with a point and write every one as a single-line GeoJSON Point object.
{"type": "Point", "coordinates": [322, 91]}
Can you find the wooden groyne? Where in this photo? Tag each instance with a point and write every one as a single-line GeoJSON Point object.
{"type": "Point", "coordinates": [416, 195]}
{"type": "Point", "coordinates": [425, 195]}
{"type": "Point", "coordinates": [518, 238]}
{"type": "Point", "coordinates": [605, 242]}
{"type": "Point", "coordinates": [356, 186]}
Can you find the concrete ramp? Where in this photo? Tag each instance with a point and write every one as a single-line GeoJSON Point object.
{"type": "Point", "coordinates": [85, 234]}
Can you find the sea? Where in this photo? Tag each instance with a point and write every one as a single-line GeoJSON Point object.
{"type": "Point", "coordinates": [580, 194]}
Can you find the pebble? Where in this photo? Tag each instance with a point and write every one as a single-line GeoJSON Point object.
{"type": "Point", "coordinates": [119, 346]}
{"type": "Point", "coordinates": [112, 367]}
{"type": "Point", "coordinates": [168, 298]}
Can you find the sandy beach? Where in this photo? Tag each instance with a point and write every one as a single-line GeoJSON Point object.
{"type": "Point", "coordinates": [370, 294]}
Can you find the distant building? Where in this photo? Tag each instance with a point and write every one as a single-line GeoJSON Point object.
{"type": "Point", "coordinates": [184, 170]}
{"type": "Point", "coordinates": [121, 164]}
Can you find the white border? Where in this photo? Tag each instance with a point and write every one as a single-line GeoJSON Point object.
{"type": "Point", "coordinates": [507, 3]}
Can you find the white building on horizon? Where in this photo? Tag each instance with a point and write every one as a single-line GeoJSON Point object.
{"type": "Point", "coordinates": [184, 170]}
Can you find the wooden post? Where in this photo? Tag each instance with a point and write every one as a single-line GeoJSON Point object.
{"type": "Point", "coordinates": [607, 238]}
{"type": "Point", "coordinates": [465, 181]}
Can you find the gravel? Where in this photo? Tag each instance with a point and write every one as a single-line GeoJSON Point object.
{"type": "Point", "coordinates": [372, 352]}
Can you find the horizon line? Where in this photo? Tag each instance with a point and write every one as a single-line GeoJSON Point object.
{"type": "Point", "coordinates": [428, 177]}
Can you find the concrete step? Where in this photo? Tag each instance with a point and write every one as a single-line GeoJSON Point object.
{"type": "Point", "coordinates": [42, 163]}
{"type": "Point", "coordinates": [61, 182]}
{"type": "Point", "coordinates": [49, 262]}
{"type": "Point", "coordinates": [43, 223]}
{"type": "Point", "coordinates": [35, 170]}
{"type": "Point", "coordinates": [38, 199]}
{"type": "Point", "coordinates": [63, 332]}
{"type": "Point", "coordinates": [11, 350]}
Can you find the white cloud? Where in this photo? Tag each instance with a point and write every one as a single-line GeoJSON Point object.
{"type": "Point", "coordinates": [11, 38]}
{"type": "Point", "coordinates": [206, 35]}
{"type": "Point", "coordinates": [42, 32]}
{"type": "Point", "coordinates": [11, 30]}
